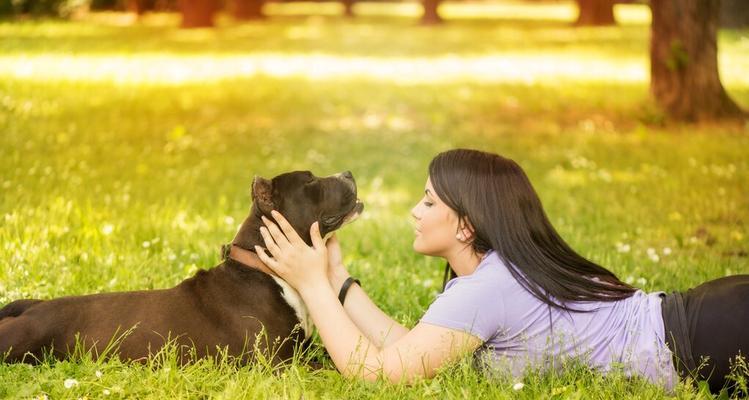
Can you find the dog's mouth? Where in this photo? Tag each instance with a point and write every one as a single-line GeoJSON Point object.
{"type": "Point", "coordinates": [354, 213]}
{"type": "Point", "coordinates": [350, 217]}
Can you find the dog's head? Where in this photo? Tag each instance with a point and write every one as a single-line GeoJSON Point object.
{"type": "Point", "coordinates": [302, 198]}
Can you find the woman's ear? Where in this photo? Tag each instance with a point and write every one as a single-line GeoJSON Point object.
{"type": "Point", "coordinates": [465, 230]}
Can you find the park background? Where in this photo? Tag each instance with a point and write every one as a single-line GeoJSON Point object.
{"type": "Point", "coordinates": [128, 143]}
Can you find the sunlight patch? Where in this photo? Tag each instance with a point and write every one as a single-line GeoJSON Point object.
{"type": "Point", "coordinates": [176, 69]}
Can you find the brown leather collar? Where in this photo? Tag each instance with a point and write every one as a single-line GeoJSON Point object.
{"type": "Point", "coordinates": [245, 257]}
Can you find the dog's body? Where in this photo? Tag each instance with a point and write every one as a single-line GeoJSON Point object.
{"type": "Point", "coordinates": [226, 306]}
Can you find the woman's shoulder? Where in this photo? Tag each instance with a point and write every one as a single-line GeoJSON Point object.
{"type": "Point", "coordinates": [491, 272]}
{"type": "Point", "coordinates": [491, 265]}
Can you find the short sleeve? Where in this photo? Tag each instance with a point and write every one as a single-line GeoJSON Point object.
{"type": "Point", "coordinates": [472, 304]}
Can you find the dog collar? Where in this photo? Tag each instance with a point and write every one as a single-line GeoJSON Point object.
{"type": "Point", "coordinates": [246, 257]}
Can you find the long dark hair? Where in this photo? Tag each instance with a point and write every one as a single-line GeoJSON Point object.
{"type": "Point", "coordinates": [506, 214]}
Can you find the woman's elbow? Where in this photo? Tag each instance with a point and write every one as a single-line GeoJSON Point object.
{"type": "Point", "coordinates": [389, 370]}
{"type": "Point", "coordinates": [389, 375]}
{"type": "Point", "coordinates": [400, 374]}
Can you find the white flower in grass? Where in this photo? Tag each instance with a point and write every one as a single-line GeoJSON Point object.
{"type": "Point", "coordinates": [652, 255]}
{"type": "Point", "coordinates": [666, 251]}
{"type": "Point", "coordinates": [107, 229]}
{"type": "Point", "coordinates": [98, 374]}
{"type": "Point", "coordinates": [106, 392]}
{"type": "Point", "coordinates": [146, 244]}
{"type": "Point", "coordinates": [622, 247]}
{"type": "Point", "coordinates": [518, 386]}
{"type": "Point", "coordinates": [70, 383]}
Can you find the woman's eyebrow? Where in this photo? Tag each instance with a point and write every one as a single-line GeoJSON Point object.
{"type": "Point", "coordinates": [428, 193]}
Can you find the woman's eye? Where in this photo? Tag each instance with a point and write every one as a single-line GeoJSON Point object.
{"type": "Point", "coordinates": [428, 204]}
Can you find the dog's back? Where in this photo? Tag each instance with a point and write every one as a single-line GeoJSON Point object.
{"type": "Point", "coordinates": [17, 308]}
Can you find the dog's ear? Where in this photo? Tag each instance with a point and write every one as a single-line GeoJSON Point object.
{"type": "Point", "coordinates": [262, 194]}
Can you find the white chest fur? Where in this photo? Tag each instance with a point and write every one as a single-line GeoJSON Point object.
{"type": "Point", "coordinates": [295, 301]}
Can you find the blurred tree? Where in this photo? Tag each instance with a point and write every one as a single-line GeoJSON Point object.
{"type": "Point", "coordinates": [6, 8]}
{"type": "Point", "coordinates": [198, 13]}
{"type": "Point", "coordinates": [684, 60]}
{"type": "Point", "coordinates": [138, 6]}
{"type": "Point", "coordinates": [246, 10]}
{"type": "Point", "coordinates": [734, 13]}
{"type": "Point", "coordinates": [348, 8]}
{"type": "Point", "coordinates": [595, 12]}
{"type": "Point", "coordinates": [39, 8]}
{"type": "Point", "coordinates": [431, 16]}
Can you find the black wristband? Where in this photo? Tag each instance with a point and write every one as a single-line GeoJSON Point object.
{"type": "Point", "coordinates": [344, 289]}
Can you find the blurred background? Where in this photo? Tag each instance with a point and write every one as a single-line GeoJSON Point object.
{"type": "Point", "coordinates": [130, 131]}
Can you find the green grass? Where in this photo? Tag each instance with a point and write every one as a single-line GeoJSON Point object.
{"type": "Point", "coordinates": [127, 153]}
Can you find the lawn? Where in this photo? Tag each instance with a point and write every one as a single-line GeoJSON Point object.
{"type": "Point", "coordinates": [127, 150]}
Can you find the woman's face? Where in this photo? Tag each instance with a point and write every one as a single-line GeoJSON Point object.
{"type": "Point", "coordinates": [436, 225]}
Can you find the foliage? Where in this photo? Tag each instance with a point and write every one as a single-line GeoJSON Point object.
{"type": "Point", "coordinates": [37, 8]}
{"type": "Point", "coordinates": [129, 169]}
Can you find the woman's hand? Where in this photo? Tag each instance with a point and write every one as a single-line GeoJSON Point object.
{"type": "Point", "coordinates": [337, 272]}
{"type": "Point", "coordinates": [301, 266]}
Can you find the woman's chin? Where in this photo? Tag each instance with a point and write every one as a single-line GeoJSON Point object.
{"type": "Point", "coordinates": [419, 248]}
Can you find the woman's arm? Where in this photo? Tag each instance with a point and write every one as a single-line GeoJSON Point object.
{"type": "Point", "coordinates": [416, 354]}
{"type": "Point", "coordinates": [378, 327]}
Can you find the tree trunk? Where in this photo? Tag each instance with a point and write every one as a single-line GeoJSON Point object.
{"type": "Point", "coordinates": [246, 10]}
{"type": "Point", "coordinates": [198, 13]}
{"type": "Point", "coordinates": [431, 16]}
{"type": "Point", "coordinates": [596, 12]}
{"type": "Point", "coordinates": [734, 13]}
{"type": "Point", "coordinates": [136, 6]}
{"type": "Point", "coordinates": [684, 61]}
{"type": "Point", "coordinates": [348, 8]}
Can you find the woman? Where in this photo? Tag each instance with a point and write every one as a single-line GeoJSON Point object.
{"type": "Point", "coordinates": [519, 296]}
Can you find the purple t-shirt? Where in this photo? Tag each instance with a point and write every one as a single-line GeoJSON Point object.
{"type": "Point", "coordinates": [518, 331]}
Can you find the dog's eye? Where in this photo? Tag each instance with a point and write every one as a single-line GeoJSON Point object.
{"type": "Point", "coordinates": [330, 221]}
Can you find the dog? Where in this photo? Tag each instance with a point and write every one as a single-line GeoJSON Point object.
{"type": "Point", "coordinates": [224, 308]}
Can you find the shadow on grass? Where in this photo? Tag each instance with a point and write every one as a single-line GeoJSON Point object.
{"type": "Point", "coordinates": [369, 35]}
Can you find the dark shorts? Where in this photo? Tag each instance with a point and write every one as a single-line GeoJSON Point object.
{"type": "Point", "coordinates": [707, 327]}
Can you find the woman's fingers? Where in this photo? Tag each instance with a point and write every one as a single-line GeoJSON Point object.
{"type": "Point", "coordinates": [317, 241]}
{"type": "Point", "coordinates": [270, 262]}
{"type": "Point", "coordinates": [270, 242]}
{"type": "Point", "coordinates": [287, 229]}
{"type": "Point", "coordinates": [276, 233]}
{"type": "Point", "coordinates": [332, 241]}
